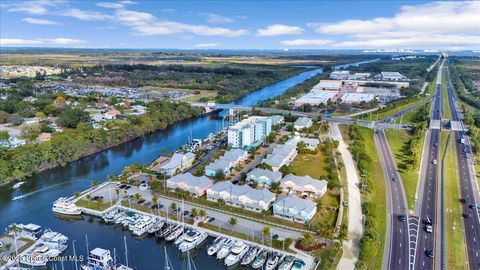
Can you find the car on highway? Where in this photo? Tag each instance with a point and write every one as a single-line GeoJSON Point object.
{"type": "Point", "coordinates": [402, 218]}
{"type": "Point", "coordinates": [467, 215]}
{"type": "Point", "coordinates": [434, 162]}
{"type": "Point", "coordinates": [428, 229]}
{"type": "Point", "coordinates": [436, 143]}
{"type": "Point", "coordinates": [472, 206]}
{"type": "Point", "coordinates": [463, 201]}
{"type": "Point", "coordinates": [429, 253]}
{"type": "Point", "coordinates": [394, 179]}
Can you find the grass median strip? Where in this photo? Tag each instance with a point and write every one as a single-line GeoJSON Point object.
{"type": "Point", "coordinates": [454, 237]}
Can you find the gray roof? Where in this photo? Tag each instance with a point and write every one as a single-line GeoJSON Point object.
{"type": "Point", "coordinates": [311, 141]}
{"type": "Point", "coordinates": [244, 190]}
{"type": "Point", "coordinates": [305, 180]}
{"type": "Point", "coordinates": [191, 180]}
{"type": "Point", "coordinates": [295, 203]}
{"type": "Point", "coordinates": [234, 154]}
{"type": "Point", "coordinates": [177, 160]}
{"type": "Point", "coordinates": [219, 164]}
{"type": "Point", "coordinates": [272, 176]}
{"type": "Point", "coordinates": [302, 121]}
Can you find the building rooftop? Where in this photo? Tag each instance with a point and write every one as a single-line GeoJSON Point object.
{"type": "Point", "coordinates": [273, 176]}
{"type": "Point", "coordinates": [328, 84]}
{"type": "Point", "coordinates": [294, 203]}
{"type": "Point", "coordinates": [191, 180]}
{"type": "Point", "coordinates": [219, 164]}
{"type": "Point", "coordinates": [357, 97]}
{"type": "Point", "coordinates": [177, 160]}
{"type": "Point", "coordinates": [234, 154]}
{"type": "Point", "coordinates": [305, 180]}
{"type": "Point", "coordinates": [245, 190]}
{"type": "Point", "coordinates": [302, 121]}
{"type": "Point", "coordinates": [248, 121]}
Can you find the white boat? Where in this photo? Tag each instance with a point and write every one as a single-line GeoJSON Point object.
{"type": "Point", "coordinates": [272, 261]}
{"type": "Point", "coordinates": [175, 233]}
{"type": "Point", "coordinates": [287, 263]}
{"type": "Point", "coordinates": [180, 239]}
{"type": "Point", "coordinates": [64, 207]}
{"type": "Point", "coordinates": [30, 230]}
{"type": "Point", "coordinates": [101, 259]}
{"type": "Point", "coordinates": [192, 240]}
{"type": "Point", "coordinates": [225, 249]}
{"type": "Point", "coordinates": [249, 256]}
{"type": "Point", "coordinates": [18, 185]}
{"type": "Point", "coordinates": [39, 255]}
{"type": "Point", "coordinates": [260, 259]}
{"type": "Point", "coordinates": [156, 226]}
{"type": "Point", "coordinates": [142, 227]}
{"type": "Point", "coordinates": [298, 265]}
{"type": "Point", "coordinates": [236, 253]}
{"type": "Point", "coordinates": [216, 245]}
{"type": "Point", "coordinates": [54, 240]}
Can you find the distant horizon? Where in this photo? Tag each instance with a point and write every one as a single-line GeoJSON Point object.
{"type": "Point", "coordinates": [241, 25]}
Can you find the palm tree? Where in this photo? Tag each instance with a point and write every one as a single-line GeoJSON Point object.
{"type": "Point", "coordinates": [100, 202]}
{"type": "Point", "coordinates": [232, 221]}
{"type": "Point", "coordinates": [221, 202]}
{"type": "Point", "coordinates": [94, 184]}
{"type": "Point", "coordinates": [117, 193]}
{"type": "Point", "coordinates": [194, 212]}
{"type": "Point", "coordinates": [76, 194]}
{"type": "Point", "coordinates": [307, 239]}
{"type": "Point", "coordinates": [88, 197]}
{"type": "Point", "coordinates": [173, 206]}
{"type": "Point", "coordinates": [155, 201]}
{"type": "Point", "coordinates": [202, 214]}
{"type": "Point", "coordinates": [137, 196]}
{"type": "Point", "coordinates": [15, 229]}
{"type": "Point", "coordinates": [265, 232]}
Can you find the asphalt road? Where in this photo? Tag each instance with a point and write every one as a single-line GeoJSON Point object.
{"type": "Point", "coordinates": [397, 242]}
{"type": "Point", "coordinates": [428, 198]}
{"type": "Point", "coordinates": [471, 218]}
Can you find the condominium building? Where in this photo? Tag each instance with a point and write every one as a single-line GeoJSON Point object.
{"type": "Point", "coordinates": [249, 132]}
{"type": "Point", "coordinates": [294, 209]}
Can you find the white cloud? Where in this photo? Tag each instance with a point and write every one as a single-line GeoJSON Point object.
{"type": "Point", "coordinates": [66, 41]}
{"type": "Point", "coordinates": [436, 24]}
{"type": "Point", "coordinates": [43, 42]}
{"type": "Point", "coordinates": [207, 45]}
{"type": "Point", "coordinates": [38, 7]}
{"type": "Point", "coordinates": [217, 19]}
{"type": "Point", "coordinates": [19, 42]}
{"type": "Point", "coordinates": [279, 30]}
{"type": "Point", "coordinates": [84, 15]}
{"type": "Point", "coordinates": [168, 10]}
{"type": "Point", "coordinates": [145, 24]}
{"type": "Point", "coordinates": [110, 5]}
{"type": "Point", "coordinates": [307, 42]}
{"type": "Point", "coordinates": [39, 21]}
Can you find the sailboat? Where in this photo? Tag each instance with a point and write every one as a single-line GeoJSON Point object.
{"type": "Point", "coordinates": [168, 263]}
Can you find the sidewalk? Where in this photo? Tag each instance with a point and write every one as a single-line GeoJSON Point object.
{"type": "Point", "coordinates": [351, 246]}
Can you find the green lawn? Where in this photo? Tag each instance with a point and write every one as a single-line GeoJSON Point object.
{"type": "Point", "coordinates": [446, 109]}
{"type": "Point", "coordinates": [377, 195]}
{"type": "Point", "coordinates": [329, 257]}
{"type": "Point", "coordinates": [408, 117]}
{"type": "Point", "coordinates": [312, 165]}
{"type": "Point", "coordinates": [454, 237]}
{"type": "Point", "coordinates": [397, 140]}
{"type": "Point", "coordinates": [93, 205]}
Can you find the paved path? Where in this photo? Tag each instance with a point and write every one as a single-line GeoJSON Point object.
{"type": "Point", "coordinates": [351, 246]}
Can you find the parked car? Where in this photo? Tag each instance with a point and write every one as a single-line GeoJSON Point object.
{"type": "Point", "coordinates": [141, 201]}
{"type": "Point", "coordinates": [127, 187]}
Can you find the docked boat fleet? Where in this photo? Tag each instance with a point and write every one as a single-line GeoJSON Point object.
{"type": "Point", "coordinates": [48, 244]}
{"type": "Point", "coordinates": [141, 225]}
{"type": "Point", "coordinates": [234, 252]}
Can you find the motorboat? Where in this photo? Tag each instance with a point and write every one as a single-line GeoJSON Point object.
{"type": "Point", "coordinates": [30, 230]}
{"type": "Point", "coordinates": [175, 233]}
{"type": "Point", "coordinates": [158, 225]}
{"type": "Point", "coordinates": [193, 238]}
{"type": "Point", "coordinates": [165, 231]}
{"type": "Point", "coordinates": [54, 240]}
{"type": "Point", "coordinates": [101, 259]}
{"type": "Point", "coordinates": [249, 256]}
{"type": "Point", "coordinates": [141, 227]}
{"type": "Point", "coordinates": [225, 249]}
{"type": "Point", "coordinates": [216, 245]}
{"type": "Point", "coordinates": [18, 185]}
{"type": "Point", "coordinates": [298, 265]}
{"type": "Point", "coordinates": [64, 207]}
{"type": "Point", "coordinates": [39, 255]}
{"type": "Point", "coordinates": [287, 263]}
{"type": "Point", "coordinates": [180, 239]}
{"type": "Point", "coordinates": [272, 261]}
{"type": "Point", "coordinates": [260, 259]}
{"type": "Point", "coordinates": [236, 253]}
{"type": "Point", "coordinates": [112, 216]}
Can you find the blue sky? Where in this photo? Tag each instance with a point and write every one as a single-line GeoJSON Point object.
{"type": "Point", "coordinates": [241, 24]}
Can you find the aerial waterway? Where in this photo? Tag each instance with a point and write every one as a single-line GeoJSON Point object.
{"type": "Point", "coordinates": [35, 198]}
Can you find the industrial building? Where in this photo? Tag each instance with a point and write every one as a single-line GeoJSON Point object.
{"type": "Point", "coordinates": [316, 97]}
{"type": "Point", "coordinates": [392, 76]}
{"type": "Point", "coordinates": [355, 98]}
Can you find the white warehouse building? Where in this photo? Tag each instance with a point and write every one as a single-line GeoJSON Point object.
{"type": "Point", "coordinates": [249, 132]}
{"type": "Point", "coordinates": [352, 98]}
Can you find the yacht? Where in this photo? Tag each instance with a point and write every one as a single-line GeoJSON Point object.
{"type": "Point", "coordinates": [192, 240]}
{"type": "Point", "coordinates": [180, 239]}
{"type": "Point", "coordinates": [30, 230]}
{"type": "Point", "coordinates": [165, 231]}
{"type": "Point", "coordinates": [216, 245]}
{"type": "Point", "coordinates": [138, 221]}
{"type": "Point", "coordinates": [64, 207]}
{"type": "Point", "coordinates": [225, 249]}
{"type": "Point", "coordinates": [101, 259]}
{"type": "Point", "coordinates": [18, 185]}
{"type": "Point", "coordinates": [249, 256]}
{"type": "Point", "coordinates": [142, 227]}
{"type": "Point", "coordinates": [287, 263]}
{"type": "Point", "coordinates": [39, 255]}
{"type": "Point", "coordinates": [112, 216]}
{"type": "Point", "coordinates": [298, 265]}
{"type": "Point", "coordinates": [175, 233]}
{"type": "Point", "coordinates": [260, 259]}
{"type": "Point", "coordinates": [236, 253]}
{"type": "Point", "coordinates": [54, 240]}
{"type": "Point", "coordinates": [272, 261]}
{"type": "Point", "coordinates": [158, 225]}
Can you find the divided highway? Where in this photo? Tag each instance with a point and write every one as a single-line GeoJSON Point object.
{"type": "Point", "coordinates": [427, 201]}
{"type": "Point", "coordinates": [468, 186]}
{"type": "Point", "coordinates": [397, 240]}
